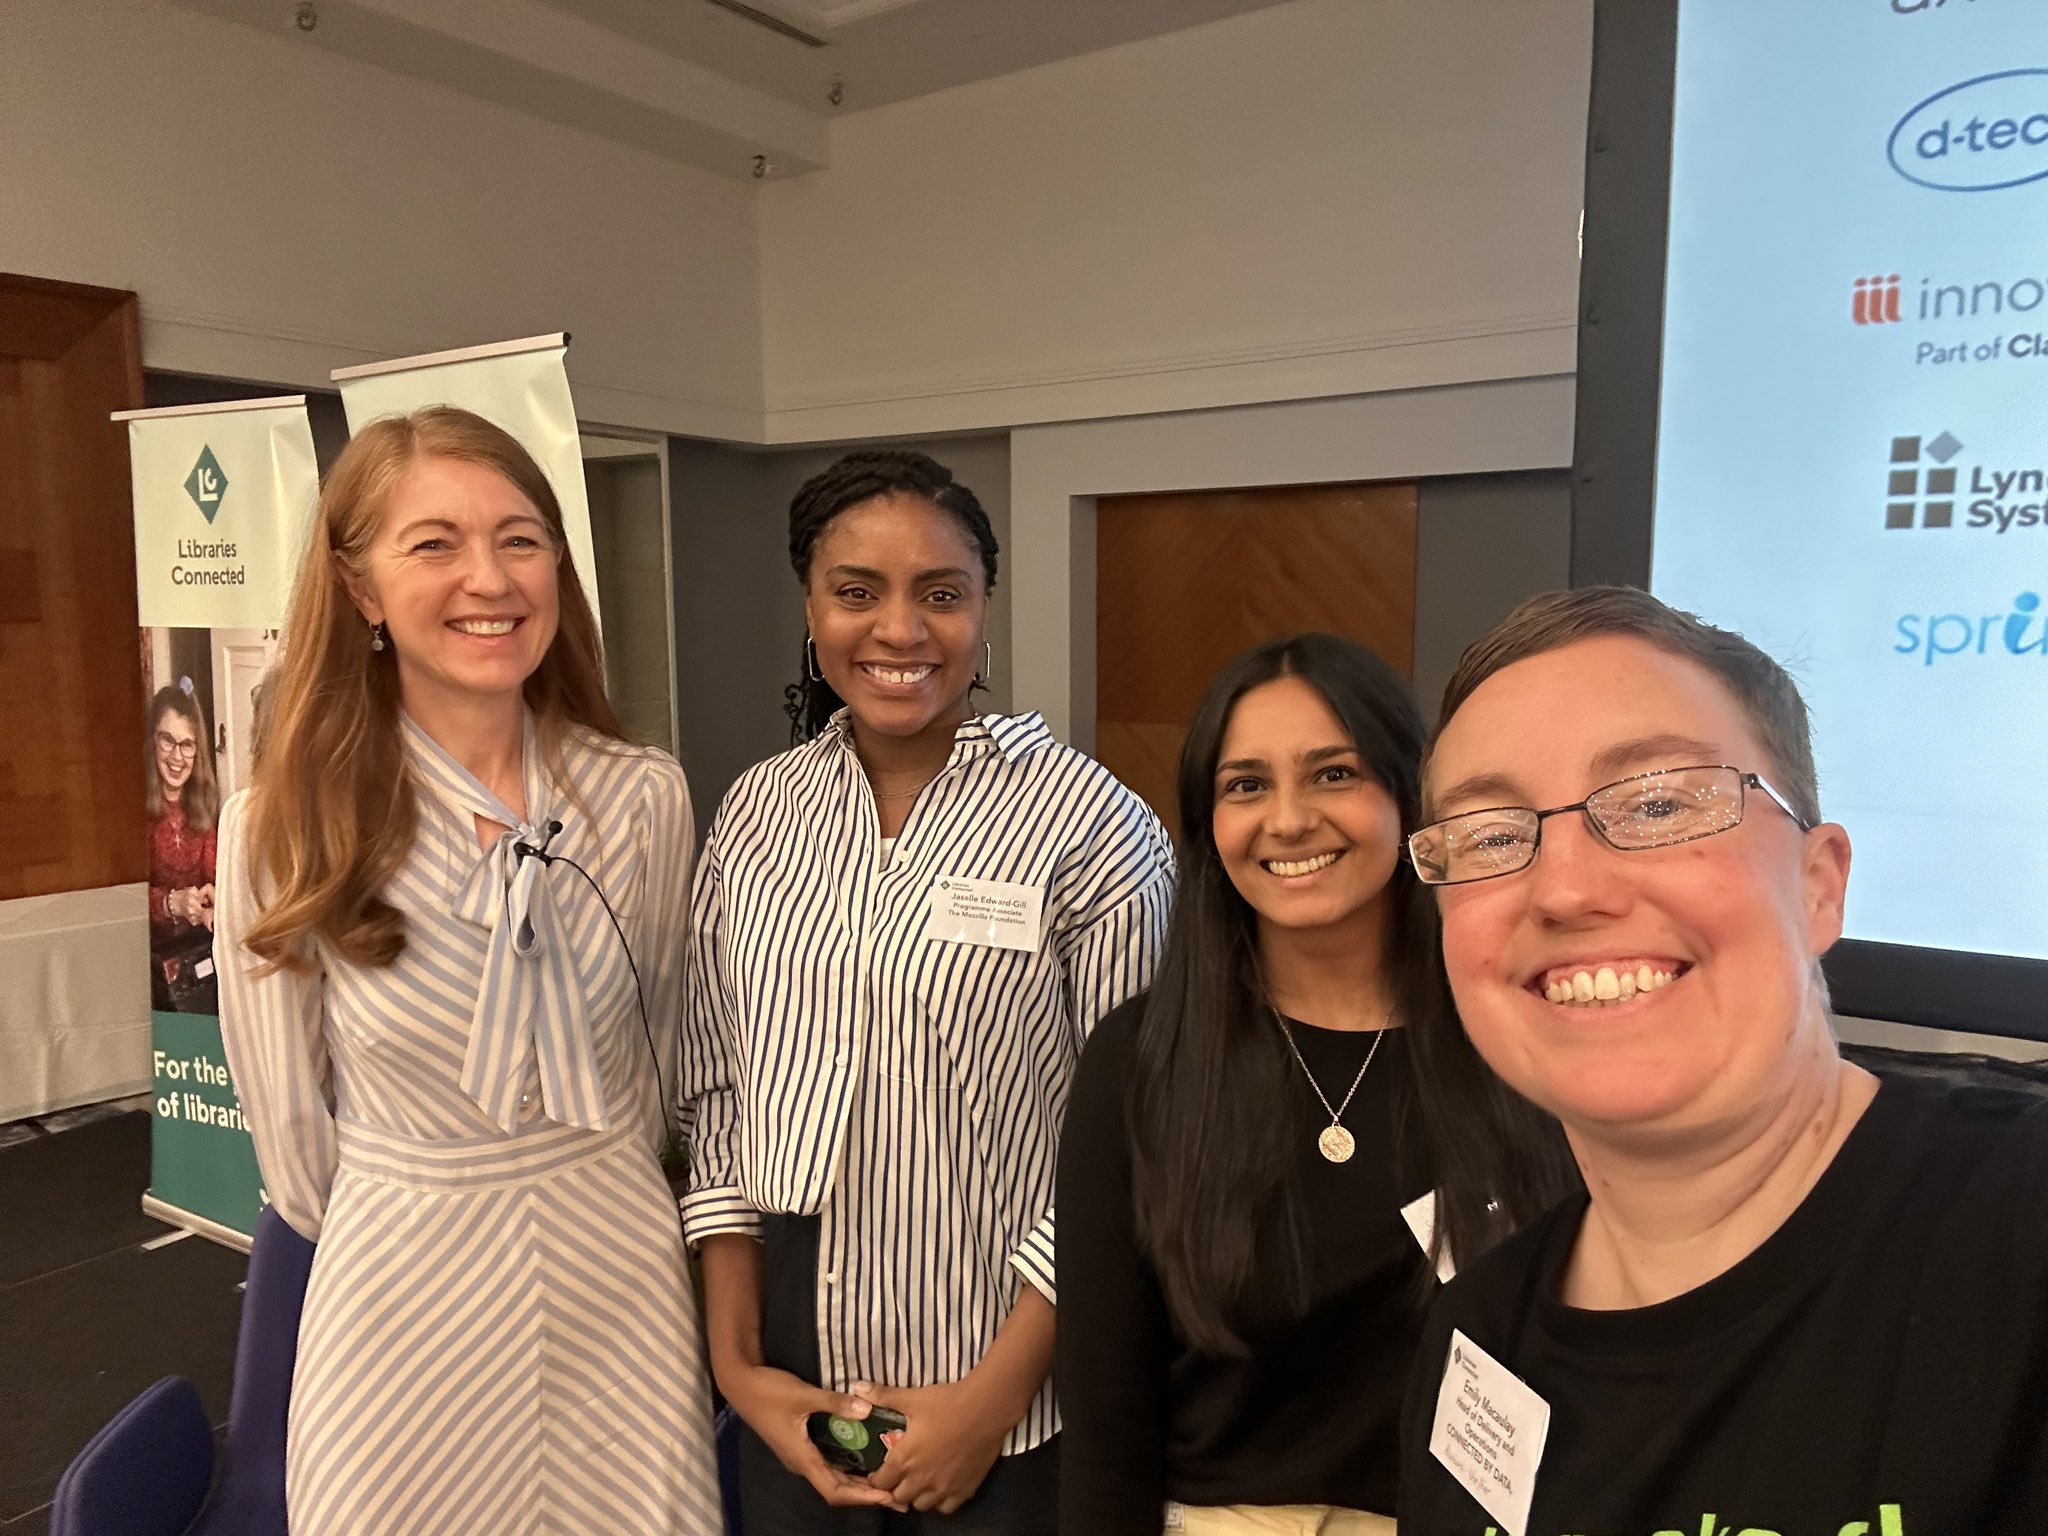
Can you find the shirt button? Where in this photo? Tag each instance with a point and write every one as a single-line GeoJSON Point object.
{"type": "Point", "coordinates": [831, 1277]}
{"type": "Point", "coordinates": [525, 1099]}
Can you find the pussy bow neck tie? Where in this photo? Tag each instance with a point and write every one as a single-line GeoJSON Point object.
{"type": "Point", "coordinates": [531, 998]}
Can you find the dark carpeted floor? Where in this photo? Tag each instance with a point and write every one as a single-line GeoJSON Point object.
{"type": "Point", "coordinates": [88, 1316]}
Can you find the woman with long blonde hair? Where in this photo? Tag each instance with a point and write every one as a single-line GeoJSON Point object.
{"type": "Point", "coordinates": [451, 924]}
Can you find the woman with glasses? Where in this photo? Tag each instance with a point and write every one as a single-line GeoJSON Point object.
{"type": "Point", "coordinates": [904, 928]}
{"type": "Point", "coordinates": [183, 804]}
{"type": "Point", "coordinates": [1792, 1297]}
{"type": "Point", "coordinates": [1269, 1158]}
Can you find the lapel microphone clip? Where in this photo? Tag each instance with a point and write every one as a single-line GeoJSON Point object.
{"type": "Point", "coordinates": [531, 851]}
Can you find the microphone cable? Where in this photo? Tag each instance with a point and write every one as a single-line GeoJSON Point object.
{"type": "Point", "coordinates": [529, 851]}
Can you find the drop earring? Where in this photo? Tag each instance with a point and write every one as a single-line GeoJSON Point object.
{"type": "Point", "coordinates": [988, 663]}
{"type": "Point", "coordinates": [376, 637]}
{"type": "Point", "coordinates": [811, 672]}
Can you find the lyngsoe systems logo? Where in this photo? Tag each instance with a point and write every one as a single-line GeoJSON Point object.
{"type": "Point", "coordinates": [1906, 483]}
{"type": "Point", "coordinates": [207, 484]}
{"type": "Point", "coordinates": [1979, 135]}
{"type": "Point", "coordinates": [1924, 489]}
{"type": "Point", "coordinates": [2017, 630]}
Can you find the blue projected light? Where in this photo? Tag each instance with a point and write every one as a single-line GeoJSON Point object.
{"type": "Point", "coordinates": [1852, 454]}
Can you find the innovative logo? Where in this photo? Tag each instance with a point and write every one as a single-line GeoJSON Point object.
{"type": "Point", "coordinates": [1906, 484]}
{"type": "Point", "coordinates": [207, 484]}
{"type": "Point", "coordinates": [1948, 302]}
{"type": "Point", "coordinates": [1875, 300]}
{"type": "Point", "coordinates": [1979, 135]}
{"type": "Point", "coordinates": [2018, 630]}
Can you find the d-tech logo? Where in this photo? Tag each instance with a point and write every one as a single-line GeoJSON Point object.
{"type": "Point", "coordinates": [1979, 135]}
{"type": "Point", "coordinates": [207, 484]}
{"type": "Point", "coordinates": [2017, 630]}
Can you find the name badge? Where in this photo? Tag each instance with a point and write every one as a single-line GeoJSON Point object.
{"type": "Point", "coordinates": [994, 913]}
{"type": "Point", "coordinates": [1489, 1432]}
{"type": "Point", "coordinates": [1420, 1214]}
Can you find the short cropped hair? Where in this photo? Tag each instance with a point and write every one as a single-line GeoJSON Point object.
{"type": "Point", "coordinates": [1764, 690]}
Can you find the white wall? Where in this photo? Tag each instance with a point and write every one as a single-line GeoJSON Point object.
{"type": "Point", "coordinates": [1322, 198]}
{"type": "Point", "coordinates": [283, 211]}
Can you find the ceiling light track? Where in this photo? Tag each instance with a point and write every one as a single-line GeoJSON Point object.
{"type": "Point", "coordinates": [761, 18]}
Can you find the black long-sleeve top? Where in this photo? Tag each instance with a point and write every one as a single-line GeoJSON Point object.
{"type": "Point", "coordinates": [1313, 1416]}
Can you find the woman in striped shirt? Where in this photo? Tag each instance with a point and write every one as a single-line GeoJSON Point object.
{"type": "Point", "coordinates": [903, 930]}
{"type": "Point", "coordinates": [449, 1058]}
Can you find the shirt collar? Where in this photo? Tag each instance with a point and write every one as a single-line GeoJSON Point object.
{"type": "Point", "coordinates": [1014, 736]}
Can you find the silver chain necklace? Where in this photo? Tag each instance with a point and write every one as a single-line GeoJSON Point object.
{"type": "Point", "coordinates": [1336, 1144]}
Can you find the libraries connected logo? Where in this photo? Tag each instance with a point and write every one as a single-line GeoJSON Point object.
{"type": "Point", "coordinates": [1916, 488]}
{"type": "Point", "coordinates": [207, 484]}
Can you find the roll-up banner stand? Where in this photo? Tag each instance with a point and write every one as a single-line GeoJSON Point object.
{"type": "Point", "coordinates": [522, 386]}
{"type": "Point", "coordinates": [223, 498]}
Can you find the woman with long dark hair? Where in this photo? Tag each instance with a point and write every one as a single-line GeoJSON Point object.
{"type": "Point", "coordinates": [1270, 1157]}
{"type": "Point", "coordinates": [904, 928]}
{"type": "Point", "coordinates": [183, 803]}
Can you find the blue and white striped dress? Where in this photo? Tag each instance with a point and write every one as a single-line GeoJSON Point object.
{"type": "Point", "coordinates": [838, 1061]}
{"type": "Point", "coordinates": [499, 1336]}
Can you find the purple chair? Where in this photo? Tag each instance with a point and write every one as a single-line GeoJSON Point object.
{"type": "Point", "coordinates": [248, 1497]}
{"type": "Point", "coordinates": [147, 1473]}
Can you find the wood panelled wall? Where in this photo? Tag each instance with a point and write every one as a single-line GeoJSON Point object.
{"type": "Point", "coordinates": [71, 757]}
{"type": "Point", "coordinates": [1184, 581]}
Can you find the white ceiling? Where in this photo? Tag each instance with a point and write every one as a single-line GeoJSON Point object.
{"type": "Point", "coordinates": [891, 50]}
{"type": "Point", "coordinates": [692, 81]}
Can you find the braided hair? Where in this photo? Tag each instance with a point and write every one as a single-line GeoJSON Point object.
{"type": "Point", "coordinates": [853, 479]}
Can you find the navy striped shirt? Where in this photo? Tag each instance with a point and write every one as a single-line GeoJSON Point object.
{"type": "Point", "coordinates": [840, 1062]}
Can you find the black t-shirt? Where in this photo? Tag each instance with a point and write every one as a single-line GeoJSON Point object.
{"type": "Point", "coordinates": [1877, 1367]}
{"type": "Point", "coordinates": [1313, 1416]}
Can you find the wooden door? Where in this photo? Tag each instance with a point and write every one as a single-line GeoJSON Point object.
{"type": "Point", "coordinates": [1186, 580]}
{"type": "Point", "coordinates": [72, 760]}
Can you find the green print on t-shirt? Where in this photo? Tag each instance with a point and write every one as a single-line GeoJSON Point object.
{"type": "Point", "coordinates": [1891, 1521]}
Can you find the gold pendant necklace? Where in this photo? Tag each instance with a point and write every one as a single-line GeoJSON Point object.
{"type": "Point", "coordinates": [1335, 1143]}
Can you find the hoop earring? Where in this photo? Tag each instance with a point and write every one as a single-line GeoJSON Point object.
{"type": "Point", "coordinates": [811, 672]}
{"type": "Point", "coordinates": [376, 637]}
{"type": "Point", "coordinates": [988, 663]}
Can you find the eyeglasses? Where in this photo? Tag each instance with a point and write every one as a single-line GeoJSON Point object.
{"type": "Point", "coordinates": [170, 746]}
{"type": "Point", "coordinates": [1651, 810]}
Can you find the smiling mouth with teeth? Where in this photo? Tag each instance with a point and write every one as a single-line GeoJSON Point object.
{"type": "Point", "coordinates": [1605, 986]}
{"type": "Point", "coordinates": [897, 675]}
{"type": "Point", "coordinates": [1294, 868]}
{"type": "Point", "coordinates": [484, 626]}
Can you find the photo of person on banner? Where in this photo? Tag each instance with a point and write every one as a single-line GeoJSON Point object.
{"type": "Point", "coordinates": [184, 806]}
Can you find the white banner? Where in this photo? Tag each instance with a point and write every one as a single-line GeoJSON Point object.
{"type": "Point", "coordinates": [522, 386]}
{"type": "Point", "coordinates": [223, 497]}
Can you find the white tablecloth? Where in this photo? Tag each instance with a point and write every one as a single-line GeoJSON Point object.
{"type": "Point", "coordinates": [74, 999]}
